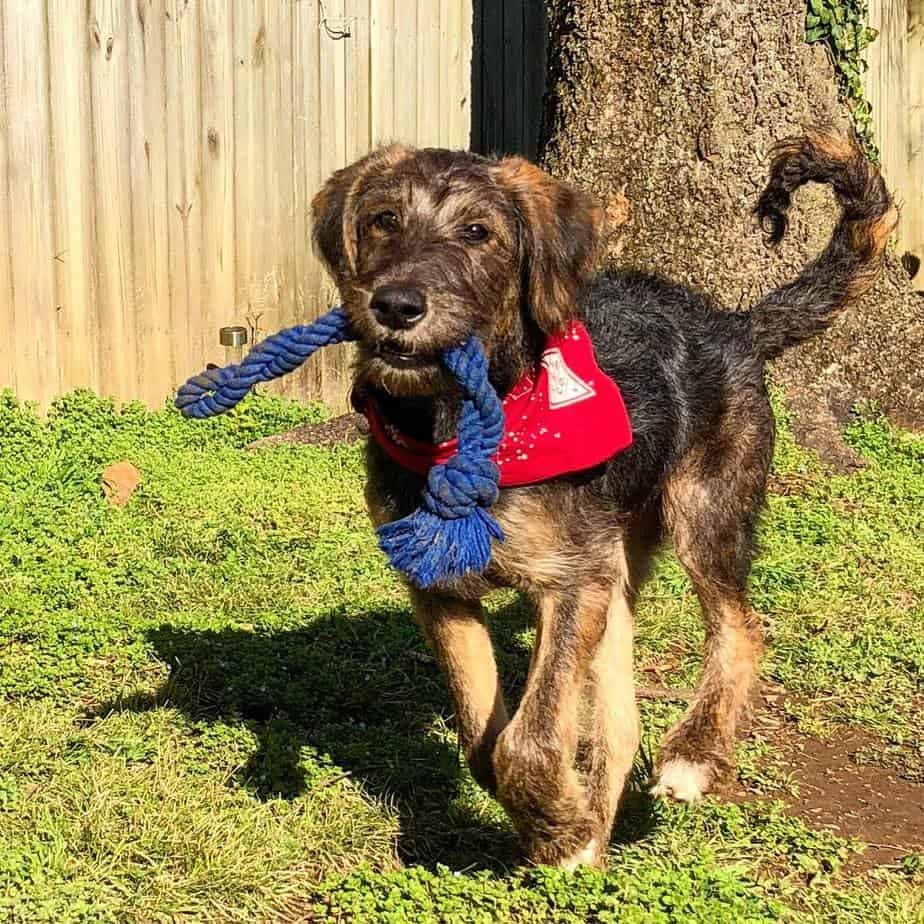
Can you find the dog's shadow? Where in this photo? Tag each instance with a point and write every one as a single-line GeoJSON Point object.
{"type": "Point", "coordinates": [364, 691]}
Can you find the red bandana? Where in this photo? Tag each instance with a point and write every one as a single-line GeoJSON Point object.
{"type": "Point", "coordinates": [568, 418]}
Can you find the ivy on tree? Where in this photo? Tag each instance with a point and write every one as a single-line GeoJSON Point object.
{"type": "Point", "coordinates": [842, 26]}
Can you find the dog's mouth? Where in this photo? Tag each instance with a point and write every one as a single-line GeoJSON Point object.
{"type": "Point", "coordinates": [403, 360]}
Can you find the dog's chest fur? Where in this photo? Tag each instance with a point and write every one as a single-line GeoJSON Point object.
{"type": "Point", "coordinates": [553, 532]}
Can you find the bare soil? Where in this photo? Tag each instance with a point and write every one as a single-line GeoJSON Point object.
{"type": "Point", "coordinates": [348, 428]}
{"type": "Point", "coordinates": [841, 787]}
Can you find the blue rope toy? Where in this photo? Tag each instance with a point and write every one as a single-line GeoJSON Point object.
{"type": "Point", "coordinates": [450, 534]}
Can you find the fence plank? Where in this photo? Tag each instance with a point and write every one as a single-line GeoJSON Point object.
{"type": "Point", "coordinates": [428, 73]}
{"type": "Point", "coordinates": [886, 88]}
{"type": "Point", "coordinates": [112, 188]}
{"type": "Point", "coordinates": [217, 141]}
{"type": "Point", "coordinates": [7, 319]}
{"type": "Point", "coordinates": [255, 290]}
{"type": "Point", "coordinates": [447, 9]}
{"type": "Point", "coordinates": [914, 210]}
{"type": "Point", "coordinates": [279, 254]}
{"type": "Point", "coordinates": [893, 88]}
{"type": "Point", "coordinates": [335, 52]}
{"type": "Point", "coordinates": [358, 68]}
{"type": "Point", "coordinates": [461, 102]}
{"type": "Point", "coordinates": [306, 106]}
{"type": "Point", "coordinates": [31, 199]}
{"type": "Point", "coordinates": [158, 370]}
{"type": "Point", "coordinates": [184, 173]}
{"type": "Point", "coordinates": [72, 170]}
{"type": "Point", "coordinates": [406, 87]}
{"type": "Point", "coordinates": [359, 79]}
{"type": "Point", "coordinates": [382, 52]}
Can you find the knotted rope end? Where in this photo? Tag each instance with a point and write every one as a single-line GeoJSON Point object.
{"type": "Point", "coordinates": [429, 550]}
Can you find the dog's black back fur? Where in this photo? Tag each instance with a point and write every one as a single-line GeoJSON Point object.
{"type": "Point", "coordinates": [676, 357]}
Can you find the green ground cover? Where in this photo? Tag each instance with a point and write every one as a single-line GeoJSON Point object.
{"type": "Point", "coordinates": [214, 704]}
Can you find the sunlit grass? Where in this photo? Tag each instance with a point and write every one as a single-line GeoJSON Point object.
{"type": "Point", "coordinates": [216, 705]}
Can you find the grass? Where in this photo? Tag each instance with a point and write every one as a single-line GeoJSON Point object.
{"type": "Point", "coordinates": [215, 706]}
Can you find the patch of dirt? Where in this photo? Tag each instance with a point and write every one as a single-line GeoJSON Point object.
{"type": "Point", "coordinates": [818, 419]}
{"type": "Point", "coordinates": [348, 428]}
{"type": "Point", "coordinates": [841, 789]}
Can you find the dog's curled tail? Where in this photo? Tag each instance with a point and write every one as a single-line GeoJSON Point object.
{"type": "Point", "coordinates": [851, 262]}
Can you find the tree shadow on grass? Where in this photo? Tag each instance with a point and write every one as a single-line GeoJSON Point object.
{"type": "Point", "coordinates": [365, 691]}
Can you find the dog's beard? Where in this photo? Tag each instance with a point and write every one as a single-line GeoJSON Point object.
{"type": "Point", "coordinates": [403, 375]}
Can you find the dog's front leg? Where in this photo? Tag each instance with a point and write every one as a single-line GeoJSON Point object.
{"type": "Point", "coordinates": [534, 759]}
{"type": "Point", "coordinates": [458, 635]}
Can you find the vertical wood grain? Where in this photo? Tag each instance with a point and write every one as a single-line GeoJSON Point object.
{"type": "Point", "coordinates": [249, 138]}
{"type": "Point", "coordinates": [428, 73]}
{"type": "Point", "coordinates": [113, 201]}
{"type": "Point", "coordinates": [890, 92]}
{"type": "Point", "coordinates": [382, 52]}
{"type": "Point", "coordinates": [278, 188]}
{"type": "Point", "coordinates": [157, 163]}
{"type": "Point", "coordinates": [357, 113]}
{"type": "Point", "coordinates": [444, 82]}
{"type": "Point", "coordinates": [72, 172]}
{"type": "Point", "coordinates": [913, 234]}
{"type": "Point", "coordinates": [7, 318]}
{"type": "Point", "coordinates": [886, 88]}
{"type": "Point", "coordinates": [34, 335]}
{"type": "Point", "coordinates": [158, 369]}
{"type": "Point", "coordinates": [407, 88]}
{"type": "Point", "coordinates": [184, 184]}
{"type": "Point", "coordinates": [335, 51]}
{"type": "Point", "coordinates": [307, 179]}
{"type": "Point", "coordinates": [461, 116]}
{"type": "Point", "coordinates": [216, 139]}
{"type": "Point", "coordinates": [358, 75]}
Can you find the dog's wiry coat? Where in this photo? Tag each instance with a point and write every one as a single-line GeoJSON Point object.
{"type": "Point", "coordinates": [502, 250]}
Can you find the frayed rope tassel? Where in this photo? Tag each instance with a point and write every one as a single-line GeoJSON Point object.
{"type": "Point", "coordinates": [450, 534]}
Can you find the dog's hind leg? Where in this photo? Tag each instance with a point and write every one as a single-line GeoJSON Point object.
{"type": "Point", "coordinates": [458, 636]}
{"type": "Point", "coordinates": [612, 736]}
{"type": "Point", "coordinates": [711, 505]}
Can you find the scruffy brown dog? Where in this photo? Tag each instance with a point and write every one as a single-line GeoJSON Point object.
{"type": "Point", "coordinates": [429, 246]}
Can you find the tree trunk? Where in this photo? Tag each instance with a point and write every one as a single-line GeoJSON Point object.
{"type": "Point", "coordinates": [667, 111]}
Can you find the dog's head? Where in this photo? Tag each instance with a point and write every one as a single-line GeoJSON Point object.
{"type": "Point", "coordinates": [430, 246]}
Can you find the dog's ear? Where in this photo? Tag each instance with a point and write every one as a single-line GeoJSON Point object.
{"type": "Point", "coordinates": [333, 209]}
{"type": "Point", "coordinates": [559, 231]}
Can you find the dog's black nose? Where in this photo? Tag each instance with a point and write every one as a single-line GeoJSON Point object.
{"type": "Point", "coordinates": [398, 307]}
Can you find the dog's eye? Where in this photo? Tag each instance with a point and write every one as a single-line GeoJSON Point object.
{"type": "Point", "coordinates": [386, 221]}
{"type": "Point", "coordinates": [474, 234]}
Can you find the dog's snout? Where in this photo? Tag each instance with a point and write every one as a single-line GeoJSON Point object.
{"type": "Point", "coordinates": [398, 307]}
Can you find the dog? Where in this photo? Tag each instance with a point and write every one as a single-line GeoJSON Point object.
{"type": "Point", "coordinates": [430, 246]}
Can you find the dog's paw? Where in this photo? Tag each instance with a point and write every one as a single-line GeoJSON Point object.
{"type": "Point", "coordinates": [683, 780]}
{"type": "Point", "coordinates": [588, 855]}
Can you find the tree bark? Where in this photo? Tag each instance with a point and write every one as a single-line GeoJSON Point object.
{"type": "Point", "coordinates": [667, 112]}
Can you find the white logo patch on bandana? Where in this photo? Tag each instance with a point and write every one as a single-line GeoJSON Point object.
{"type": "Point", "coordinates": [565, 388]}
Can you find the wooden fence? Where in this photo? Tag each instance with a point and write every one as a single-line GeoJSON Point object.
{"type": "Point", "coordinates": [158, 157]}
{"type": "Point", "coordinates": [895, 88]}
{"type": "Point", "coordinates": [157, 160]}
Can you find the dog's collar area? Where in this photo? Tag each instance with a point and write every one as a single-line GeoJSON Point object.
{"type": "Point", "coordinates": [564, 417]}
